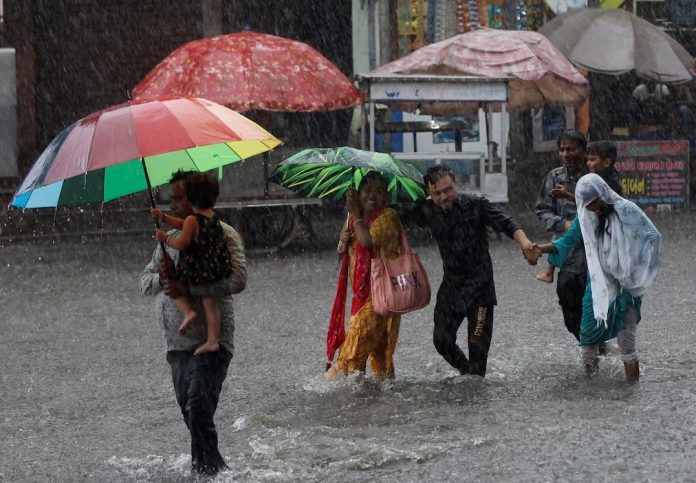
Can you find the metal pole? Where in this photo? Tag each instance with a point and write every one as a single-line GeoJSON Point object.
{"type": "Point", "coordinates": [503, 137]}
{"type": "Point", "coordinates": [372, 125]}
{"type": "Point", "coordinates": [488, 137]}
{"type": "Point", "coordinates": [363, 126]}
{"type": "Point", "coordinates": [266, 175]}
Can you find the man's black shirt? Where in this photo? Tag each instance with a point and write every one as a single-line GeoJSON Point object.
{"type": "Point", "coordinates": [462, 238]}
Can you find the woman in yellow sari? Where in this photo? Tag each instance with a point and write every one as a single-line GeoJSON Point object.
{"type": "Point", "coordinates": [371, 227]}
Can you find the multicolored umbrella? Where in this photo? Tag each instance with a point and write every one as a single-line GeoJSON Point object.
{"type": "Point", "coordinates": [131, 147]}
{"type": "Point", "coordinates": [251, 71]}
{"type": "Point", "coordinates": [330, 172]}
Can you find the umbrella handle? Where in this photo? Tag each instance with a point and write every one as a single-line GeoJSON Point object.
{"type": "Point", "coordinates": [152, 199]}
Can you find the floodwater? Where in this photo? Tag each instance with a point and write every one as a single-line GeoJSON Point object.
{"type": "Point", "coordinates": [86, 393]}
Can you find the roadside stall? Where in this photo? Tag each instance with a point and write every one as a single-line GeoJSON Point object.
{"type": "Point", "coordinates": [479, 166]}
{"type": "Point", "coordinates": [484, 72]}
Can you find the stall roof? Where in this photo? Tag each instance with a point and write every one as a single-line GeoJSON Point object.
{"type": "Point", "coordinates": [434, 94]}
{"type": "Point", "coordinates": [387, 88]}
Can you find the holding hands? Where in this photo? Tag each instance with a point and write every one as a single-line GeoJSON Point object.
{"type": "Point", "coordinates": [532, 253]}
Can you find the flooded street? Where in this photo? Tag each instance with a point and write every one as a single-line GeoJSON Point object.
{"type": "Point", "coordinates": [86, 391]}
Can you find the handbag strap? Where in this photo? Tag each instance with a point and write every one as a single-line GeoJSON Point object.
{"type": "Point", "coordinates": [405, 247]}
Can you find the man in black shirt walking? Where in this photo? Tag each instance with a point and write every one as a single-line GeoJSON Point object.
{"type": "Point", "coordinates": [458, 223]}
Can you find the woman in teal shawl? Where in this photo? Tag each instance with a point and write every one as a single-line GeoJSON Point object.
{"type": "Point", "coordinates": [622, 247]}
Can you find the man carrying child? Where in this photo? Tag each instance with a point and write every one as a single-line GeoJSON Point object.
{"type": "Point", "coordinates": [556, 209]}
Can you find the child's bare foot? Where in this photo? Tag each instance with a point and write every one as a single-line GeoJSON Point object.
{"type": "Point", "coordinates": [188, 320]}
{"type": "Point", "coordinates": [545, 277]}
{"type": "Point", "coordinates": [209, 346]}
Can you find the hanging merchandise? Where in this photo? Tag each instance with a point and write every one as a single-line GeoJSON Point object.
{"type": "Point", "coordinates": [417, 24]}
{"type": "Point", "coordinates": [461, 12]}
{"type": "Point", "coordinates": [521, 16]}
{"type": "Point", "coordinates": [431, 23]}
{"type": "Point", "coordinates": [467, 14]}
{"type": "Point", "coordinates": [482, 10]}
{"type": "Point", "coordinates": [474, 22]}
{"type": "Point", "coordinates": [443, 22]}
{"type": "Point", "coordinates": [411, 28]}
{"type": "Point", "coordinates": [495, 16]}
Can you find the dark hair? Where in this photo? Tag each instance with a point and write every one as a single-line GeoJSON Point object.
{"type": "Point", "coordinates": [603, 149]}
{"type": "Point", "coordinates": [574, 136]}
{"type": "Point", "coordinates": [375, 177]}
{"type": "Point", "coordinates": [202, 190]}
{"type": "Point", "coordinates": [180, 175]}
{"type": "Point", "coordinates": [436, 173]}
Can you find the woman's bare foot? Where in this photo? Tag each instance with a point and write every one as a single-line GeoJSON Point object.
{"type": "Point", "coordinates": [592, 367]}
{"type": "Point", "coordinates": [545, 277]}
{"type": "Point", "coordinates": [209, 346]}
{"type": "Point", "coordinates": [188, 319]}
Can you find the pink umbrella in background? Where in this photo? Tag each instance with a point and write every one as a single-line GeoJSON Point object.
{"type": "Point", "coordinates": [539, 73]}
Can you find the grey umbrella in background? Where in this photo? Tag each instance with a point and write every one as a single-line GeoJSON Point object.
{"type": "Point", "coordinates": [612, 41]}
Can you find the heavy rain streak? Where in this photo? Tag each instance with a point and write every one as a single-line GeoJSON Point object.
{"type": "Point", "coordinates": [404, 240]}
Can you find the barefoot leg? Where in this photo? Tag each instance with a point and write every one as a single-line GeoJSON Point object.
{"type": "Point", "coordinates": [207, 347]}
{"type": "Point", "coordinates": [547, 276]}
{"type": "Point", "coordinates": [184, 305]}
{"type": "Point", "coordinates": [212, 318]}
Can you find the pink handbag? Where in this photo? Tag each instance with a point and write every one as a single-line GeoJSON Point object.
{"type": "Point", "coordinates": [399, 285]}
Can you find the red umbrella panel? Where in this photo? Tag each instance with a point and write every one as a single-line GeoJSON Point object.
{"type": "Point", "coordinates": [251, 71]}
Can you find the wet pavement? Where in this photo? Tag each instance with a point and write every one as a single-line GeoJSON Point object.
{"type": "Point", "coordinates": [86, 393]}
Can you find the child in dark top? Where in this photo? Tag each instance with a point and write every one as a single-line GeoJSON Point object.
{"type": "Point", "coordinates": [600, 157]}
{"type": "Point", "coordinates": [205, 260]}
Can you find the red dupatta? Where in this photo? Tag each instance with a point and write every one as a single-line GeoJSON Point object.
{"type": "Point", "coordinates": [336, 333]}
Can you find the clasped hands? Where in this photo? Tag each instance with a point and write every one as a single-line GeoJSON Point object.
{"type": "Point", "coordinates": [531, 253]}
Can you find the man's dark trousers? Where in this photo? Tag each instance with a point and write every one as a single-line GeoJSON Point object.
{"type": "Point", "coordinates": [197, 384]}
{"type": "Point", "coordinates": [480, 331]}
{"type": "Point", "coordinates": [570, 288]}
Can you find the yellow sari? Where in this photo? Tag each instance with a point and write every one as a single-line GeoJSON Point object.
{"type": "Point", "coordinates": [372, 336]}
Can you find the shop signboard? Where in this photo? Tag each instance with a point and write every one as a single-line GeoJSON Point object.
{"type": "Point", "coordinates": [654, 173]}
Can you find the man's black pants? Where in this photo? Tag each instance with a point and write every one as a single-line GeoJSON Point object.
{"type": "Point", "coordinates": [197, 384]}
{"type": "Point", "coordinates": [480, 332]}
{"type": "Point", "coordinates": [570, 288]}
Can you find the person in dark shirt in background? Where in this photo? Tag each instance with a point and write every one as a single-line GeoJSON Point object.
{"type": "Point", "coordinates": [557, 214]}
{"type": "Point", "coordinates": [600, 157]}
{"type": "Point", "coordinates": [458, 223]}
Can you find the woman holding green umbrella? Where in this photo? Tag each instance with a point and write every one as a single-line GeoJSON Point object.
{"type": "Point", "coordinates": [371, 227]}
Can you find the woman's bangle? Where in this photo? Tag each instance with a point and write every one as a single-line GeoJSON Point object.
{"type": "Point", "coordinates": [359, 220]}
{"type": "Point", "coordinates": [166, 240]}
